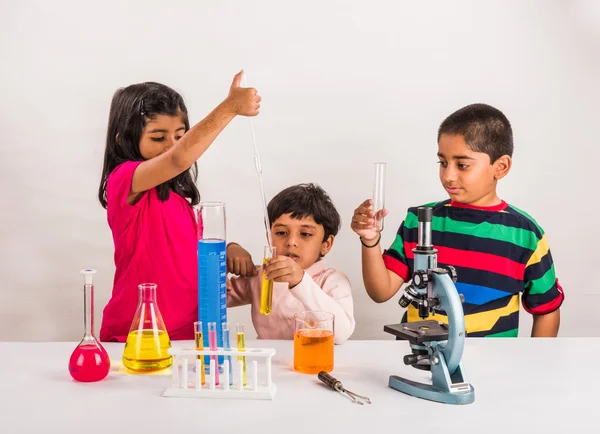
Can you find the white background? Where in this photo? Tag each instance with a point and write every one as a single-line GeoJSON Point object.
{"type": "Point", "coordinates": [344, 84]}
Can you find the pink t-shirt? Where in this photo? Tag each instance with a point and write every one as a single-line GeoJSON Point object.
{"type": "Point", "coordinates": [155, 242]}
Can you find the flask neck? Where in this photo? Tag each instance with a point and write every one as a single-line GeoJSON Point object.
{"type": "Point", "coordinates": [147, 293]}
{"type": "Point", "coordinates": [88, 311]}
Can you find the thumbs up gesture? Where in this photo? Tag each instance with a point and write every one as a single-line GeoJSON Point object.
{"type": "Point", "coordinates": [243, 101]}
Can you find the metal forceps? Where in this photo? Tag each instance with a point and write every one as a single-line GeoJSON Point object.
{"type": "Point", "coordinates": [337, 385]}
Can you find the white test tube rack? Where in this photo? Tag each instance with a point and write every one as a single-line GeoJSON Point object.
{"type": "Point", "coordinates": [182, 387]}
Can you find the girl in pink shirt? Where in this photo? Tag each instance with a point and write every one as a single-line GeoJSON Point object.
{"type": "Point", "coordinates": [304, 223]}
{"type": "Point", "coordinates": [148, 189]}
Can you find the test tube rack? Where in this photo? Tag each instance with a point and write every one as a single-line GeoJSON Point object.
{"type": "Point", "coordinates": [182, 387]}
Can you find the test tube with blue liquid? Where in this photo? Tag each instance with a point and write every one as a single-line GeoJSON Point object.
{"type": "Point", "coordinates": [212, 271]}
{"type": "Point", "coordinates": [227, 346]}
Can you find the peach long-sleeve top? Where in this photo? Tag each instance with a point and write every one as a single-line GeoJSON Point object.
{"type": "Point", "coordinates": [321, 289]}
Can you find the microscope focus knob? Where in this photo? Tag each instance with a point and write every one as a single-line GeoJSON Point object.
{"type": "Point", "coordinates": [420, 279]}
{"type": "Point", "coordinates": [411, 359]}
{"type": "Point", "coordinates": [451, 272]}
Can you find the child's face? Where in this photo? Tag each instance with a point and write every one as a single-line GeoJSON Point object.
{"type": "Point", "coordinates": [160, 134]}
{"type": "Point", "coordinates": [468, 176]}
{"type": "Point", "coordinates": [300, 239]}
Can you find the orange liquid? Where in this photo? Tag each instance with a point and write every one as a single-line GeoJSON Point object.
{"type": "Point", "coordinates": [313, 351]}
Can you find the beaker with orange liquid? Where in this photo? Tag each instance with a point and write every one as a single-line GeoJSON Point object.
{"type": "Point", "coordinates": [313, 342]}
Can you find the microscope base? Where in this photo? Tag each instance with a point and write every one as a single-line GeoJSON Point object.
{"type": "Point", "coordinates": [430, 392]}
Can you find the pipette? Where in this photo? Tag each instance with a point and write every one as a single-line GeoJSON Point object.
{"type": "Point", "coordinates": [258, 167]}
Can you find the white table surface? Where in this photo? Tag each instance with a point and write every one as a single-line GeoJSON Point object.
{"type": "Point", "coordinates": [521, 386]}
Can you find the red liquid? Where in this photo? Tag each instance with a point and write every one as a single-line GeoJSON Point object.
{"type": "Point", "coordinates": [89, 362]}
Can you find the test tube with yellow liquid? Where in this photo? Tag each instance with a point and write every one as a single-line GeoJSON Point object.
{"type": "Point", "coordinates": [199, 346]}
{"type": "Point", "coordinates": [241, 346]}
{"type": "Point", "coordinates": [266, 287]}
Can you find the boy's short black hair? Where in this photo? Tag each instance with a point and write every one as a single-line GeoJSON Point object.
{"type": "Point", "coordinates": [484, 128]}
{"type": "Point", "coordinates": [306, 200]}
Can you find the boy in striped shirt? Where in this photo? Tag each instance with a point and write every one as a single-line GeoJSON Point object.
{"type": "Point", "coordinates": [499, 251]}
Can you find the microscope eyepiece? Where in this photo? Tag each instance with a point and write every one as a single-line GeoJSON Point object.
{"type": "Point", "coordinates": [424, 214]}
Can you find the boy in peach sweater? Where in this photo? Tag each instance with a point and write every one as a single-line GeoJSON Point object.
{"type": "Point", "coordinates": [304, 223]}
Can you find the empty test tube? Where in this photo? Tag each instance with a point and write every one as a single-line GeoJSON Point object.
{"type": "Point", "coordinates": [379, 193]}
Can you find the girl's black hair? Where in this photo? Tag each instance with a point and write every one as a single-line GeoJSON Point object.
{"type": "Point", "coordinates": [130, 109]}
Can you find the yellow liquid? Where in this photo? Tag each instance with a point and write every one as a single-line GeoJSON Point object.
{"type": "Point", "coordinates": [241, 346]}
{"type": "Point", "coordinates": [200, 346]}
{"type": "Point", "coordinates": [266, 292]}
{"type": "Point", "coordinates": [147, 351]}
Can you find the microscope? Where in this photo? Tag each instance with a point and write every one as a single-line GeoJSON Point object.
{"type": "Point", "coordinates": [436, 347]}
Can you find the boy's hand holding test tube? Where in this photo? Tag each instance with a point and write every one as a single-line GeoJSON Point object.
{"type": "Point", "coordinates": [284, 269]}
{"type": "Point", "coordinates": [364, 221]}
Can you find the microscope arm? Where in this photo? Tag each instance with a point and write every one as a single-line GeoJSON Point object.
{"type": "Point", "coordinates": [450, 302]}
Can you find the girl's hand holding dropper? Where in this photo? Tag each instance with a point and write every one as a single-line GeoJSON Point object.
{"type": "Point", "coordinates": [181, 155]}
{"type": "Point", "coordinates": [243, 101]}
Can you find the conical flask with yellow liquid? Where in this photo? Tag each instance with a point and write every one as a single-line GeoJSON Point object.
{"type": "Point", "coordinates": [147, 345]}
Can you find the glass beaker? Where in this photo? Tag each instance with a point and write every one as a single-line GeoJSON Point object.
{"type": "Point", "coordinates": [147, 345]}
{"type": "Point", "coordinates": [89, 361]}
{"type": "Point", "coordinates": [313, 342]}
{"type": "Point", "coordinates": [379, 193]}
{"type": "Point", "coordinates": [212, 270]}
{"type": "Point", "coordinates": [266, 286]}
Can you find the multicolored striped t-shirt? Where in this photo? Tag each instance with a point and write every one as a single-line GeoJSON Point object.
{"type": "Point", "coordinates": [498, 252]}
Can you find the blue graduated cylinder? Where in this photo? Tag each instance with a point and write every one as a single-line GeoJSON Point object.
{"type": "Point", "coordinates": [212, 289]}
